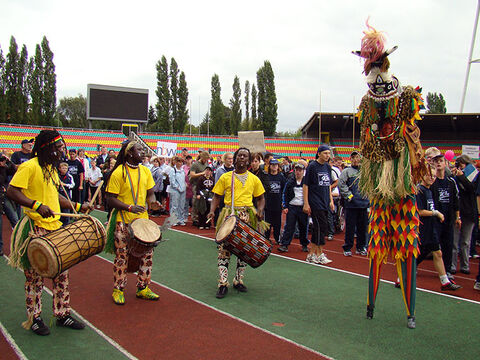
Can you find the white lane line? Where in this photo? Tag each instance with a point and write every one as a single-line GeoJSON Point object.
{"type": "Point", "coordinates": [12, 343]}
{"type": "Point", "coordinates": [346, 271]}
{"type": "Point", "coordinates": [232, 316]}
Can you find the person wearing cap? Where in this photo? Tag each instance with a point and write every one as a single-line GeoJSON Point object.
{"type": "Point", "coordinates": [445, 195]}
{"type": "Point", "coordinates": [356, 205]}
{"type": "Point", "coordinates": [76, 169]}
{"type": "Point", "coordinates": [317, 195]}
{"type": "Point", "coordinates": [184, 153]}
{"type": "Point", "coordinates": [275, 182]}
{"type": "Point", "coordinates": [204, 197]}
{"type": "Point", "coordinates": [292, 204]}
{"type": "Point", "coordinates": [24, 154]}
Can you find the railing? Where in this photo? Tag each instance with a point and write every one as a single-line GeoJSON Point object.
{"type": "Point", "coordinates": [148, 149]}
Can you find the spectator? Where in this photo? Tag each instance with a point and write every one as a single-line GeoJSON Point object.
{"type": "Point", "coordinates": [76, 169]}
{"type": "Point", "coordinates": [107, 171]}
{"type": "Point", "coordinates": [293, 207]}
{"type": "Point", "coordinates": [287, 168]}
{"type": "Point", "coordinates": [476, 286]}
{"type": "Point", "coordinates": [197, 170]}
{"type": "Point", "coordinates": [7, 169]}
{"type": "Point", "coordinates": [146, 162]}
{"type": "Point", "coordinates": [273, 200]}
{"type": "Point", "coordinates": [445, 195]}
{"type": "Point", "coordinates": [356, 205]}
{"type": "Point", "coordinates": [430, 219]}
{"type": "Point", "coordinates": [86, 166]}
{"type": "Point", "coordinates": [227, 160]}
{"type": "Point", "coordinates": [336, 197]}
{"type": "Point", "coordinates": [177, 190]}
{"type": "Point", "coordinates": [158, 179]}
{"type": "Point", "coordinates": [266, 161]}
{"type": "Point", "coordinates": [204, 197]}
{"type": "Point", "coordinates": [66, 185]}
{"type": "Point", "coordinates": [24, 154]}
{"type": "Point", "coordinates": [102, 158]}
{"type": "Point", "coordinates": [94, 181]}
{"type": "Point", "coordinates": [317, 196]}
{"type": "Point", "coordinates": [189, 192]}
{"type": "Point", "coordinates": [184, 153]}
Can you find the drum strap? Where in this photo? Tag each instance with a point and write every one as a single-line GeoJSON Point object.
{"type": "Point", "coordinates": [232, 187]}
{"type": "Point", "coordinates": [134, 196]}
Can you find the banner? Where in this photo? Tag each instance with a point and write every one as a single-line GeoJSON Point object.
{"type": "Point", "coordinates": [166, 149]}
{"type": "Point", "coordinates": [471, 150]}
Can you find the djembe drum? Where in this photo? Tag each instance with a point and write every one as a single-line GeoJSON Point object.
{"type": "Point", "coordinates": [144, 236]}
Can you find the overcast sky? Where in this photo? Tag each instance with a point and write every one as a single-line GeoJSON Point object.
{"type": "Point", "coordinates": [308, 43]}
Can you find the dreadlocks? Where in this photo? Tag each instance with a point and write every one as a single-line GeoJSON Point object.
{"type": "Point", "coordinates": [123, 155]}
{"type": "Point", "coordinates": [236, 153]}
{"type": "Point", "coordinates": [46, 151]}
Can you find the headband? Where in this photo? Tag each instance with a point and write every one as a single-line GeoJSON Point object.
{"type": "Point", "coordinates": [55, 139]}
{"type": "Point", "coordinates": [129, 146]}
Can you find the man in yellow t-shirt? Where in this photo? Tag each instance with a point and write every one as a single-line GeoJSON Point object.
{"type": "Point", "coordinates": [35, 187]}
{"type": "Point", "coordinates": [246, 187]}
{"type": "Point", "coordinates": [129, 189]}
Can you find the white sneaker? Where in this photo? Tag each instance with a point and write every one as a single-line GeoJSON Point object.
{"type": "Point", "coordinates": [312, 258]}
{"type": "Point", "coordinates": [477, 285]}
{"type": "Point", "coordinates": [322, 259]}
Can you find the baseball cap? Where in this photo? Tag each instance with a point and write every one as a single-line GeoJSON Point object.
{"type": "Point", "coordinates": [322, 148]}
{"type": "Point", "coordinates": [299, 166]}
{"type": "Point", "coordinates": [274, 161]}
{"type": "Point", "coordinates": [25, 141]}
{"type": "Point", "coordinates": [433, 152]}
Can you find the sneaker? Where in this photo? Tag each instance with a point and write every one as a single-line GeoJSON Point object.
{"type": "Point", "coordinates": [70, 322]}
{"type": "Point", "coordinates": [221, 292]}
{"type": "Point", "coordinates": [397, 283]}
{"type": "Point", "coordinates": [118, 297]}
{"type": "Point", "coordinates": [240, 287]}
{"type": "Point", "coordinates": [475, 256]}
{"type": "Point", "coordinates": [411, 322]}
{"type": "Point", "coordinates": [453, 271]}
{"type": "Point", "coordinates": [450, 276]}
{"type": "Point", "coordinates": [283, 248]}
{"type": "Point", "coordinates": [183, 223]}
{"type": "Point", "coordinates": [362, 252]}
{"type": "Point", "coordinates": [467, 272]}
{"type": "Point", "coordinates": [450, 286]}
{"type": "Point", "coordinates": [304, 248]}
{"type": "Point", "coordinates": [476, 286]}
{"type": "Point", "coordinates": [347, 253]}
{"type": "Point", "coordinates": [322, 259]}
{"type": "Point", "coordinates": [39, 328]}
{"type": "Point", "coordinates": [330, 237]}
{"type": "Point", "coordinates": [312, 258]}
{"type": "Point", "coordinates": [147, 294]}
{"type": "Point", "coordinates": [201, 228]}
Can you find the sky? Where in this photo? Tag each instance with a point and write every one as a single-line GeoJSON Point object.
{"type": "Point", "coordinates": [308, 43]}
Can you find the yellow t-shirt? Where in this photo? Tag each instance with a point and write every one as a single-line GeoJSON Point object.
{"type": "Point", "coordinates": [119, 184]}
{"type": "Point", "coordinates": [30, 179]}
{"type": "Point", "coordinates": [243, 193]}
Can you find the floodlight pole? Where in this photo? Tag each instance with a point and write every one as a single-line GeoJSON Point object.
{"type": "Point", "coordinates": [320, 119]}
{"type": "Point", "coordinates": [470, 58]}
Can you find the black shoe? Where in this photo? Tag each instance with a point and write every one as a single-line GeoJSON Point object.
{"type": "Point", "coordinates": [465, 272]}
{"type": "Point", "coordinates": [39, 328]}
{"type": "Point", "coordinates": [195, 223]}
{"type": "Point", "coordinates": [411, 322]}
{"type": "Point", "coordinates": [370, 311]}
{"type": "Point", "coordinates": [304, 248]}
{"type": "Point", "coordinates": [283, 248]}
{"type": "Point", "coordinates": [453, 272]}
{"type": "Point", "coordinates": [222, 291]}
{"type": "Point", "coordinates": [240, 287]}
{"type": "Point", "coordinates": [70, 322]}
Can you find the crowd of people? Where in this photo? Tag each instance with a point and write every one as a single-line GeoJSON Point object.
{"type": "Point", "coordinates": [307, 194]}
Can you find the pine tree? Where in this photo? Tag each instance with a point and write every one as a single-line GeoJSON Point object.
{"type": "Point", "coordinates": [152, 117]}
{"type": "Point", "coordinates": [49, 102]}
{"type": "Point", "coordinates": [203, 128]}
{"type": "Point", "coordinates": [35, 85]}
{"type": "Point", "coordinates": [247, 100]}
{"type": "Point", "coordinates": [12, 91]}
{"type": "Point", "coordinates": [436, 104]}
{"type": "Point", "coordinates": [163, 97]}
{"type": "Point", "coordinates": [253, 124]}
{"type": "Point", "coordinates": [174, 95]}
{"type": "Point", "coordinates": [217, 123]}
{"type": "Point", "coordinates": [235, 107]}
{"type": "Point", "coordinates": [267, 99]}
{"type": "Point", "coordinates": [182, 116]}
{"type": "Point", "coordinates": [3, 98]}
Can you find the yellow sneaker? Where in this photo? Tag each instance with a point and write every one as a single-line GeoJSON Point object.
{"type": "Point", "coordinates": [118, 297]}
{"type": "Point", "coordinates": [147, 294]}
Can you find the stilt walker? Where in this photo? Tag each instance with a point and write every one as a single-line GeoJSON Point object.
{"type": "Point", "coordinates": [393, 164]}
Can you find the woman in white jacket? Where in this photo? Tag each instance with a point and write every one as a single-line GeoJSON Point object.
{"type": "Point", "coordinates": [177, 190]}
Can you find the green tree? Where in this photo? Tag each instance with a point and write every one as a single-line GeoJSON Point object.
{"type": "Point", "coordinates": [253, 123]}
{"type": "Point", "coordinates": [267, 99]}
{"type": "Point", "coordinates": [35, 85]}
{"type": "Point", "coordinates": [181, 121]}
{"type": "Point", "coordinates": [174, 95]}
{"type": "Point", "coordinates": [72, 112]}
{"type": "Point", "coordinates": [235, 107]}
{"type": "Point", "coordinates": [436, 104]}
{"type": "Point", "coordinates": [163, 97]}
{"type": "Point", "coordinates": [203, 128]}
{"type": "Point", "coordinates": [152, 118]}
{"type": "Point", "coordinates": [49, 84]}
{"type": "Point", "coordinates": [13, 92]}
{"type": "Point", "coordinates": [3, 99]}
{"type": "Point", "coordinates": [216, 114]}
{"type": "Point", "coordinates": [247, 100]}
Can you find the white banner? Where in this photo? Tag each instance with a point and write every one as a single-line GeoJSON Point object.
{"type": "Point", "coordinates": [471, 150]}
{"type": "Point", "coordinates": [166, 149]}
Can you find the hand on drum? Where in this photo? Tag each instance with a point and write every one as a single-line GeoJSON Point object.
{"type": "Point", "coordinates": [86, 207]}
{"type": "Point", "coordinates": [45, 211]}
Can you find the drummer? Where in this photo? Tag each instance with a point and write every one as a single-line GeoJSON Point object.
{"type": "Point", "coordinates": [35, 187]}
{"type": "Point", "coordinates": [129, 189]}
{"type": "Point", "coordinates": [246, 187]}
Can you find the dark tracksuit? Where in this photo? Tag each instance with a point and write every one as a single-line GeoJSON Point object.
{"type": "Point", "coordinates": [355, 209]}
{"type": "Point", "coordinates": [273, 204]}
{"type": "Point", "coordinates": [295, 214]}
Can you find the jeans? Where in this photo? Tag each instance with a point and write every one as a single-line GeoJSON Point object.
{"type": "Point", "coordinates": [446, 244]}
{"type": "Point", "coordinates": [177, 205]}
{"type": "Point", "coordinates": [461, 245]}
{"type": "Point", "coordinates": [295, 215]}
{"type": "Point", "coordinates": [355, 219]}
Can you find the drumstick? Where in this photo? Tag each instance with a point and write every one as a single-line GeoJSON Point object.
{"type": "Point", "coordinates": [95, 195]}
{"type": "Point", "coordinates": [70, 215]}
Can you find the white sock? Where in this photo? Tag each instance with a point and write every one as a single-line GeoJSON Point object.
{"type": "Point", "coordinates": [444, 279]}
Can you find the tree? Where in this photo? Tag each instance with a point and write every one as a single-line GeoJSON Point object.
{"type": "Point", "coordinates": [152, 118]}
{"type": "Point", "coordinates": [247, 100]}
{"type": "Point", "coordinates": [182, 111]}
{"type": "Point", "coordinates": [174, 95]}
{"type": "Point", "coordinates": [254, 123]}
{"type": "Point", "coordinates": [72, 112]}
{"type": "Point", "coordinates": [49, 99]}
{"type": "Point", "coordinates": [235, 107]}
{"type": "Point", "coordinates": [203, 128]}
{"type": "Point", "coordinates": [163, 97]}
{"type": "Point", "coordinates": [35, 85]}
{"type": "Point", "coordinates": [216, 114]}
{"type": "Point", "coordinates": [267, 99]}
{"type": "Point", "coordinates": [13, 92]}
{"type": "Point", "coordinates": [436, 104]}
{"type": "Point", "coordinates": [3, 99]}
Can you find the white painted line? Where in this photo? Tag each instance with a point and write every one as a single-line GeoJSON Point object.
{"type": "Point", "coordinates": [348, 272]}
{"type": "Point", "coordinates": [233, 316]}
{"type": "Point", "coordinates": [12, 343]}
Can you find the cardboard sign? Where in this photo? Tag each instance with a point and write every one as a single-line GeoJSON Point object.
{"type": "Point", "coordinates": [252, 140]}
{"type": "Point", "coordinates": [471, 150]}
{"type": "Point", "coordinates": [166, 149]}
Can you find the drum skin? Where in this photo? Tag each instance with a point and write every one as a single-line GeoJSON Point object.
{"type": "Point", "coordinates": [244, 241]}
{"type": "Point", "coordinates": [144, 234]}
{"type": "Point", "coordinates": [59, 250]}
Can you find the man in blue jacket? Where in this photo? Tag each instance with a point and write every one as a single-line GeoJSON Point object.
{"type": "Point", "coordinates": [356, 218]}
